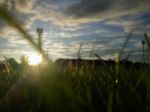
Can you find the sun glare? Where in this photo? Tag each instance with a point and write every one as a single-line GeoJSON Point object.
{"type": "Point", "coordinates": [34, 59]}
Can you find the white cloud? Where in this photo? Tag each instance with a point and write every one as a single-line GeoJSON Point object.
{"type": "Point", "coordinates": [25, 6]}
{"type": "Point", "coordinates": [70, 34]}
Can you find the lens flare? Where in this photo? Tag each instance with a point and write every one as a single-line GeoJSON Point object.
{"type": "Point", "coordinates": [34, 59]}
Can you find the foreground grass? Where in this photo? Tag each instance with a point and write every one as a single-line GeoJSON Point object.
{"type": "Point", "coordinates": [47, 88]}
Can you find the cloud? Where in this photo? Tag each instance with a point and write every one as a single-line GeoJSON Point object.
{"type": "Point", "coordinates": [70, 34]}
{"type": "Point", "coordinates": [86, 8]}
{"type": "Point", "coordinates": [70, 13]}
{"type": "Point", "coordinates": [137, 22]}
{"type": "Point", "coordinates": [67, 23]}
{"type": "Point", "coordinates": [17, 5]}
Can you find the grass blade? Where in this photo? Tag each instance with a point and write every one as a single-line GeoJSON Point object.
{"type": "Point", "coordinates": [7, 17]}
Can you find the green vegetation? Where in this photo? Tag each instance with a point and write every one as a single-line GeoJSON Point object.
{"type": "Point", "coordinates": [46, 88]}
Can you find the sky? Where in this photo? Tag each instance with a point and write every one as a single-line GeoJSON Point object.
{"type": "Point", "coordinates": [102, 26]}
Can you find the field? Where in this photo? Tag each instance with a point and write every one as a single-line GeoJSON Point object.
{"type": "Point", "coordinates": [49, 88]}
{"type": "Point", "coordinates": [52, 88]}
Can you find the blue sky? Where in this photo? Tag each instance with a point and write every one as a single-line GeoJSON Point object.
{"type": "Point", "coordinates": [101, 25]}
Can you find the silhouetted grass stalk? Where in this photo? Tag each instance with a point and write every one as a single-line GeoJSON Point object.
{"type": "Point", "coordinates": [7, 17]}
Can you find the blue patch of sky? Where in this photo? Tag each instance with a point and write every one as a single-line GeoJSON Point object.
{"type": "Point", "coordinates": [102, 25]}
{"type": "Point", "coordinates": [41, 24]}
{"type": "Point", "coordinates": [3, 43]}
{"type": "Point", "coordinates": [90, 37]}
{"type": "Point", "coordinates": [48, 27]}
{"type": "Point", "coordinates": [134, 39]}
{"type": "Point", "coordinates": [6, 45]}
{"type": "Point", "coordinates": [137, 37]}
{"type": "Point", "coordinates": [144, 17]}
{"type": "Point", "coordinates": [65, 41]}
{"type": "Point", "coordinates": [89, 34]}
{"type": "Point", "coordinates": [102, 36]}
{"type": "Point", "coordinates": [24, 17]}
{"type": "Point", "coordinates": [103, 53]}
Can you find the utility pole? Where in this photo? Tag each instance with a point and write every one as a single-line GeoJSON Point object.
{"type": "Point", "coordinates": [40, 31]}
{"type": "Point", "coordinates": [143, 43]}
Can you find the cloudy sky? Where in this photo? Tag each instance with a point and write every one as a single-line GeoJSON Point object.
{"type": "Point", "coordinates": [102, 27]}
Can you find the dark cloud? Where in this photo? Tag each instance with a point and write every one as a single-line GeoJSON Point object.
{"type": "Point", "coordinates": [50, 2]}
{"type": "Point", "coordinates": [47, 1]}
{"type": "Point", "coordinates": [86, 8]}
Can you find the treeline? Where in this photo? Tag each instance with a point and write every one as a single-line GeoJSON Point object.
{"type": "Point", "coordinates": [96, 64]}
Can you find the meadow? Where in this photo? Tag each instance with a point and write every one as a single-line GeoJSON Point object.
{"type": "Point", "coordinates": [48, 87]}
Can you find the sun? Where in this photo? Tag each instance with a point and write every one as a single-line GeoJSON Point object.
{"type": "Point", "coordinates": [34, 59]}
